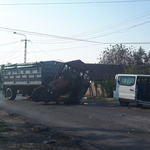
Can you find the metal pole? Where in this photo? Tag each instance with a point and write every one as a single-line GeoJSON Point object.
{"type": "Point", "coordinates": [25, 47]}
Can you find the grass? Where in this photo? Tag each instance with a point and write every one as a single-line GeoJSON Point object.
{"type": "Point", "coordinates": [4, 127]}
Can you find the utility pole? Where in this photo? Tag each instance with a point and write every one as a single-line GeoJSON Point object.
{"type": "Point", "coordinates": [25, 47]}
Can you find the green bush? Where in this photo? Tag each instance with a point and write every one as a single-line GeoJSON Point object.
{"type": "Point", "coordinates": [106, 87]}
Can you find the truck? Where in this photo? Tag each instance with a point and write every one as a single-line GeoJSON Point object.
{"type": "Point", "coordinates": [24, 78]}
{"type": "Point", "coordinates": [132, 88]}
{"type": "Point", "coordinates": [46, 81]}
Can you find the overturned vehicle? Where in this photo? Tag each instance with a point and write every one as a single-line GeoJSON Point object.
{"type": "Point", "coordinates": [70, 85]}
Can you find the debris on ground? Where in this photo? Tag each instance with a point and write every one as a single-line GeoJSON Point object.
{"type": "Point", "coordinates": [20, 133]}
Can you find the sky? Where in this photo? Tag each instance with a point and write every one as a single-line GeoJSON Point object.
{"type": "Point", "coordinates": [66, 30]}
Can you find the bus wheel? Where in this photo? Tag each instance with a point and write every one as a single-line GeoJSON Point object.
{"type": "Point", "coordinates": [123, 103]}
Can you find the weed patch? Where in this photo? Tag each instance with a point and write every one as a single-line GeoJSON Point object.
{"type": "Point", "coordinates": [4, 127]}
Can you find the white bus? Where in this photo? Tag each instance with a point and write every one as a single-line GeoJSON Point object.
{"type": "Point", "coordinates": [131, 88]}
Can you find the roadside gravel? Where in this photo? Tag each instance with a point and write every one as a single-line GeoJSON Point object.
{"type": "Point", "coordinates": [20, 133]}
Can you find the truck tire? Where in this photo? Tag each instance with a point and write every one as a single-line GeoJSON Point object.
{"type": "Point", "coordinates": [36, 94]}
{"type": "Point", "coordinates": [10, 94]}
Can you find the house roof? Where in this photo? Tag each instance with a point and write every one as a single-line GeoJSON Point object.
{"type": "Point", "coordinates": [77, 65]}
{"type": "Point", "coordinates": [97, 71]}
{"type": "Point", "coordinates": [103, 71]}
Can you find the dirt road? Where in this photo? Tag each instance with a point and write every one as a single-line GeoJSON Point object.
{"type": "Point", "coordinates": [106, 126]}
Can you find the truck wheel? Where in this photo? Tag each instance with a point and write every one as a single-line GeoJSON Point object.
{"type": "Point", "coordinates": [10, 94]}
{"type": "Point", "coordinates": [123, 103]}
{"type": "Point", "coordinates": [36, 94]}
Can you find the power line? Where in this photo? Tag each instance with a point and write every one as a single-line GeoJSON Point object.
{"type": "Point", "coordinates": [34, 51]}
{"type": "Point", "coordinates": [70, 38]}
{"type": "Point", "coordinates": [12, 58]}
{"type": "Point", "coordinates": [79, 47]}
{"type": "Point", "coordinates": [121, 30]}
{"type": "Point", "coordinates": [44, 52]}
{"type": "Point", "coordinates": [11, 52]}
{"type": "Point", "coordinates": [76, 3]}
{"type": "Point", "coordinates": [49, 35]}
{"type": "Point", "coordinates": [123, 25]}
{"type": "Point", "coordinates": [6, 44]}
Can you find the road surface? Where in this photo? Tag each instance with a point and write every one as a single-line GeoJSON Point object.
{"type": "Point", "coordinates": [103, 125]}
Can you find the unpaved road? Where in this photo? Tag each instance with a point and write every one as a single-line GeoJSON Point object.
{"type": "Point", "coordinates": [106, 126]}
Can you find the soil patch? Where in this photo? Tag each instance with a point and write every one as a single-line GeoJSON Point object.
{"type": "Point", "coordinates": [20, 133]}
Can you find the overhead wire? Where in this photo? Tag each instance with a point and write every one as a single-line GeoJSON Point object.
{"type": "Point", "coordinates": [47, 35]}
{"type": "Point", "coordinates": [96, 42]}
{"type": "Point", "coordinates": [72, 38]}
{"type": "Point", "coordinates": [119, 31]}
{"type": "Point", "coordinates": [44, 51]}
{"type": "Point", "coordinates": [85, 40]}
{"type": "Point", "coordinates": [123, 26]}
{"type": "Point", "coordinates": [6, 44]}
{"type": "Point", "coordinates": [9, 52]}
{"type": "Point", "coordinates": [68, 48]}
{"type": "Point", "coordinates": [2, 62]}
{"type": "Point", "coordinates": [33, 51]}
{"type": "Point", "coordinates": [75, 3]}
{"type": "Point", "coordinates": [87, 46]}
{"type": "Point", "coordinates": [8, 56]}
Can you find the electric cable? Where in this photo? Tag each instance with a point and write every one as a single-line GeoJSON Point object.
{"type": "Point", "coordinates": [6, 44]}
{"type": "Point", "coordinates": [44, 51]}
{"type": "Point", "coordinates": [11, 51]}
{"type": "Point", "coordinates": [33, 51]}
{"type": "Point", "coordinates": [86, 40]}
{"type": "Point", "coordinates": [87, 46]}
{"type": "Point", "coordinates": [47, 35]}
{"type": "Point", "coordinates": [11, 59]}
{"type": "Point", "coordinates": [121, 26]}
{"type": "Point", "coordinates": [75, 3]}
